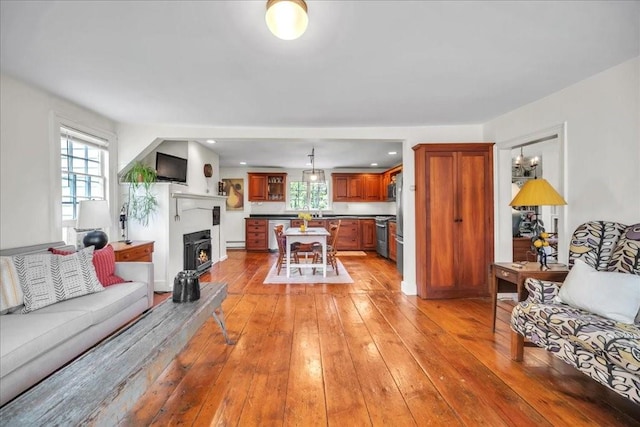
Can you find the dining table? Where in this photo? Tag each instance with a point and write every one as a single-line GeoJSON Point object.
{"type": "Point", "coordinates": [310, 235]}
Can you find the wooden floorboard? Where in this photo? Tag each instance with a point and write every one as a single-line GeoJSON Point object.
{"type": "Point", "coordinates": [364, 354]}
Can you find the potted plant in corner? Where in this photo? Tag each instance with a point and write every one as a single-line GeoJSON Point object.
{"type": "Point", "coordinates": [142, 202]}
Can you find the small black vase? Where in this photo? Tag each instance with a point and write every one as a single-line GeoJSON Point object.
{"type": "Point", "coordinates": [186, 286]}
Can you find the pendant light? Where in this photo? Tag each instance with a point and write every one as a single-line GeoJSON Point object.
{"type": "Point", "coordinates": [287, 19]}
{"type": "Point", "coordinates": [313, 174]}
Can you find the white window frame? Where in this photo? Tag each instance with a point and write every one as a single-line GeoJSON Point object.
{"type": "Point", "coordinates": [66, 228]}
{"type": "Point", "coordinates": [307, 204]}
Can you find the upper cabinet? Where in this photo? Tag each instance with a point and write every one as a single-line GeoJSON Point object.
{"type": "Point", "coordinates": [267, 187]}
{"type": "Point", "coordinates": [362, 187]}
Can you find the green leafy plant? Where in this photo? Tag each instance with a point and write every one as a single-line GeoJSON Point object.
{"type": "Point", "coordinates": [142, 201]}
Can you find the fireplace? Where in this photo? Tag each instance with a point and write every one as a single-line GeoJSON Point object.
{"type": "Point", "coordinates": [197, 251]}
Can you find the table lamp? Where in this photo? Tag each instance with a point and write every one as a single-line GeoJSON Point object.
{"type": "Point", "coordinates": [94, 215]}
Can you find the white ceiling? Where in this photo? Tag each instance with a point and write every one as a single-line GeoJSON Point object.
{"type": "Point", "coordinates": [360, 63]}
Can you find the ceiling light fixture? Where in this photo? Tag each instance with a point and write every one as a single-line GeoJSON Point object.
{"type": "Point", "coordinates": [391, 153]}
{"type": "Point", "coordinates": [313, 174]}
{"type": "Point", "coordinates": [374, 164]}
{"type": "Point", "coordinates": [211, 141]}
{"type": "Point", "coordinates": [287, 19]}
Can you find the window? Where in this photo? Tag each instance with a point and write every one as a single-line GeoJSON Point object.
{"type": "Point", "coordinates": [84, 170]}
{"type": "Point", "coordinates": [305, 195]}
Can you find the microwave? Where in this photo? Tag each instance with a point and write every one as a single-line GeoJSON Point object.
{"type": "Point", "coordinates": [391, 191]}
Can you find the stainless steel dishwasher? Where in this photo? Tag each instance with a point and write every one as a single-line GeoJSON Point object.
{"type": "Point", "coordinates": [273, 244]}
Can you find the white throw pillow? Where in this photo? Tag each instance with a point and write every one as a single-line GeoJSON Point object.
{"type": "Point", "coordinates": [46, 279]}
{"type": "Point", "coordinates": [615, 296]}
{"type": "Point", "coordinates": [10, 291]}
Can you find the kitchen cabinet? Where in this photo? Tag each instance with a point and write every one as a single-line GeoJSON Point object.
{"type": "Point", "coordinates": [454, 219]}
{"type": "Point", "coordinates": [368, 234]}
{"type": "Point", "coordinates": [267, 187]}
{"type": "Point", "coordinates": [357, 187]}
{"type": "Point", "coordinates": [393, 245]}
{"type": "Point", "coordinates": [256, 235]}
{"type": "Point", "coordinates": [312, 223]}
{"type": "Point", "coordinates": [348, 235]}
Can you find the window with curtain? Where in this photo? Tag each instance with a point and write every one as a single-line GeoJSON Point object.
{"type": "Point", "coordinates": [84, 170]}
{"type": "Point", "coordinates": [306, 195]}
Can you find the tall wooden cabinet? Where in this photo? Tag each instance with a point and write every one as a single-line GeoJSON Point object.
{"type": "Point", "coordinates": [454, 219]}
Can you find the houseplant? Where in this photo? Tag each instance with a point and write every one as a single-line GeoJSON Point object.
{"type": "Point", "coordinates": [142, 201]}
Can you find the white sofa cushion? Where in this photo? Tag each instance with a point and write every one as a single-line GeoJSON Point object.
{"type": "Point", "coordinates": [102, 305]}
{"type": "Point", "coordinates": [26, 336]}
{"type": "Point", "coordinates": [615, 296]}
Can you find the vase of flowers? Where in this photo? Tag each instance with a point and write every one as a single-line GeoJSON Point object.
{"type": "Point", "coordinates": [305, 217]}
{"type": "Point", "coordinates": [540, 243]}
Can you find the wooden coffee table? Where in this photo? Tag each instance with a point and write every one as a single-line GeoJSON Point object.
{"type": "Point", "coordinates": [102, 385]}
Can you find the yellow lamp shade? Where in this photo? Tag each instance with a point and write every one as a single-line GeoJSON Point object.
{"type": "Point", "coordinates": [537, 192]}
{"type": "Point", "coordinates": [287, 19]}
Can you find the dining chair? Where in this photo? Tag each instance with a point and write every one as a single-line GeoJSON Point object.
{"type": "Point", "coordinates": [282, 249]}
{"type": "Point", "coordinates": [332, 250]}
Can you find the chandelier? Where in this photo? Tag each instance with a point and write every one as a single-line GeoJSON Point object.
{"type": "Point", "coordinates": [313, 174]}
{"type": "Point", "coordinates": [524, 166]}
{"type": "Point", "coordinates": [287, 19]}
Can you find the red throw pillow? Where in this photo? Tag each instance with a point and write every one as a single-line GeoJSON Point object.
{"type": "Point", "coordinates": [104, 261]}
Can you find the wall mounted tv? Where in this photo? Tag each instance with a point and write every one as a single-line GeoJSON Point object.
{"type": "Point", "coordinates": [171, 168]}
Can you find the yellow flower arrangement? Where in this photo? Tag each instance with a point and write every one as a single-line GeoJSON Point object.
{"type": "Point", "coordinates": [305, 216]}
{"type": "Point", "coordinates": [540, 243]}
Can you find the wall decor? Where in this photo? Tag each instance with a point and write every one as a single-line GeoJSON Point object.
{"type": "Point", "coordinates": [234, 189]}
{"type": "Point", "coordinates": [208, 170]}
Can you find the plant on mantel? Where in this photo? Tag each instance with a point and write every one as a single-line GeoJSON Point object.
{"type": "Point", "coordinates": [142, 202]}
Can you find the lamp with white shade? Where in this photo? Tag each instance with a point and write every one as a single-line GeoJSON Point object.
{"type": "Point", "coordinates": [94, 215]}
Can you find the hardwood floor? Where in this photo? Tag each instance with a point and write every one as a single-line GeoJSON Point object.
{"type": "Point", "coordinates": [364, 354]}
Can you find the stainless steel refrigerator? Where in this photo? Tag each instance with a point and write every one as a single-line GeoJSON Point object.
{"type": "Point", "coordinates": [400, 227]}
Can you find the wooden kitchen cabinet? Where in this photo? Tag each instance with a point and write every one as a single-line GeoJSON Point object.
{"type": "Point", "coordinates": [349, 234]}
{"type": "Point", "coordinates": [312, 223]}
{"type": "Point", "coordinates": [357, 187]}
{"type": "Point", "coordinates": [368, 239]}
{"type": "Point", "coordinates": [267, 187]}
{"type": "Point", "coordinates": [256, 235]}
{"type": "Point", "coordinates": [454, 219]}
{"type": "Point", "coordinates": [392, 244]}
{"type": "Point", "coordinates": [137, 251]}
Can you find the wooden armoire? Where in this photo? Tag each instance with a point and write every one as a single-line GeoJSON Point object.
{"type": "Point", "coordinates": [454, 219]}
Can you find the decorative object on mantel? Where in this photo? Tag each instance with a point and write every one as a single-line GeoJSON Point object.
{"type": "Point", "coordinates": [287, 19]}
{"type": "Point", "coordinates": [313, 175]}
{"type": "Point", "coordinates": [94, 215]}
{"type": "Point", "coordinates": [234, 189]}
{"type": "Point", "coordinates": [142, 201]}
{"type": "Point", "coordinates": [208, 170]}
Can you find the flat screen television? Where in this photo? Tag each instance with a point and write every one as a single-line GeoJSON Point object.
{"type": "Point", "coordinates": [171, 168]}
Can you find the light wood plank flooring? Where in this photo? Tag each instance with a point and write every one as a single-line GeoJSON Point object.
{"type": "Point", "coordinates": [364, 354]}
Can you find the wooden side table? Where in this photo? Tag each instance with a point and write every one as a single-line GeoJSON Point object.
{"type": "Point", "coordinates": [136, 251]}
{"type": "Point", "coordinates": [506, 276]}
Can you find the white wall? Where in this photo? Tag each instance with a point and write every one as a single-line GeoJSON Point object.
{"type": "Point", "coordinates": [601, 160]}
{"type": "Point", "coordinates": [30, 209]}
{"type": "Point", "coordinates": [140, 139]}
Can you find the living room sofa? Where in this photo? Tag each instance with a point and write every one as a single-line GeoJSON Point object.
{"type": "Point", "coordinates": [35, 344]}
{"type": "Point", "coordinates": [592, 320]}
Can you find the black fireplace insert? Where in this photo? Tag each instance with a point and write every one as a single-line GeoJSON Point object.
{"type": "Point", "coordinates": [197, 251]}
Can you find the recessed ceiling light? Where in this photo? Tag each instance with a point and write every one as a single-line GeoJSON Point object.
{"type": "Point", "coordinates": [392, 153]}
{"type": "Point", "coordinates": [243, 163]}
{"type": "Point", "coordinates": [374, 164]}
{"type": "Point", "coordinates": [211, 141]}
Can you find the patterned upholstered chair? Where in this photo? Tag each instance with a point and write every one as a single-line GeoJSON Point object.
{"type": "Point", "coordinates": [606, 350]}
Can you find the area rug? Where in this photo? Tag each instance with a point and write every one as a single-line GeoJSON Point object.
{"type": "Point", "coordinates": [351, 253]}
{"type": "Point", "coordinates": [307, 276]}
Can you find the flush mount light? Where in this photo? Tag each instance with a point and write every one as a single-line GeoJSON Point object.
{"type": "Point", "coordinates": [211, 141]}
{"type": "Point", "coordinates": [374, 164]}
{"type": "Point", "coordinates": [243, 163]}
{"type": "Point", "coordinates": [287, 19]}
{"type": "Point", "coordinates": [391, 153]}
